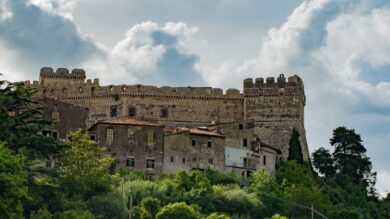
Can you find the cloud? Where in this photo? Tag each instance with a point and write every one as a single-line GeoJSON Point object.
{"type": "Point", "coordinates": [340, 48]}
{"type": "Point", "coordinates": [383, 183]}
{"type": "Point", "coordinates": [153, 55]}
{"type": "Point", "coordinates": [38, 33]}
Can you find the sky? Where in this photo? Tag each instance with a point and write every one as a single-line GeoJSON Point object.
{"type": "Point", "coordinates": [340, 48]}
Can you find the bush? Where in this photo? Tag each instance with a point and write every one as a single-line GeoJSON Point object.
{"type": "Point", "coordinates": [178, 210]}
{"type": "Point", "coordinates": [107, 206]}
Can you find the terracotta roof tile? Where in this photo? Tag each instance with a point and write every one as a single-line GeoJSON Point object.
{"type": "Point", "coordinates": [127, 120]}
{"type": "Point", "coordinates": [194, 131]}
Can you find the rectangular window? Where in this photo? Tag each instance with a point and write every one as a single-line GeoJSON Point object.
{"type": "Point", "coordinates": [209, 144]}
{"type": "Point", "coordinates": [245, 142]}
{"type": "Point", "coordinates": [264, 160]}
{"type": "Point", "coordinates": [92, 137]}
{"type": "Point", "coordinates": [110, 135]}
{"type": "Point", "coordinates": [241, 126]}
{"type": "Point", "coordinates": [130, 162]}
{"type": "Point", "coordinates": [193, 142]}
{"type": "Point", "coordinates": [184, 160]}
{"type": "Point", "coordinates": [149, 163]}
{"type": "Point", "coordinates": [150, 137]}
{"type": "Point", "coordinates": [210, 161]}
{"type": "Point", "coordinates": [132, 111]}
{"type": "Point", "coordinates": [55, 134]}
{"type": "Point", "coordinates": [172, 159]}
{"type": "Point", "coordinates": [113, 111]}
{"type": "Point", "coordinates": [55, 116]}
{"type": "Point", "coordinates": [245, 162]}
{"type": "Point", "coordinates": [164, 112]}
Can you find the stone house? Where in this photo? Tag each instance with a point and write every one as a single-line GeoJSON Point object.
{"type": "Point", "coordinates": [192, 149]}
{"type": "Point", "coordinates": [135, 144]}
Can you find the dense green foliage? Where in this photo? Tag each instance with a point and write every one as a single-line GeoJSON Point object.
{"type": "Point", "coordinates": [295, 149]}
{"type": "Point", "coordinates": [81, 185]}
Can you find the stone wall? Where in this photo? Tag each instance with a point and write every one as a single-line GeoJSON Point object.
{"type": "Point", "coordinates": [275, 105]}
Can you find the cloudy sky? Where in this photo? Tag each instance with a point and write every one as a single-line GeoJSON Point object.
{"type": "Point", "coordinates": [341, 49]}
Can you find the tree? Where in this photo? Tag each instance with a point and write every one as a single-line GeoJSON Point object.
{"type": "Point", "coordinates": [13, 179]}
{"type": "Point", "coordinates": [295, 149]}
{"type": "Point", "coordinates": [350, 157]}
{"type": "Point", "coordinates": [323, 162]}
{"type": "Point", "coordinates": [178, 210]}
{"type": "Point", "coordinates": [22, 119]}
{"type": "Point", "coordinates": [150, 207]}
{"type": "Point", "coordinates": [217, 216]}
{"type": "Point", "coordinates": [107, 206]}
{"type": "Point", "coordinates": [84, 168]}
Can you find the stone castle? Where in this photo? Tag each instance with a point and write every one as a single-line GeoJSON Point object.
{"type": "Point", "coordinates": [275, 107]}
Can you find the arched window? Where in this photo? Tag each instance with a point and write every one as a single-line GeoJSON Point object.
{"type": "Point", "coordinates": [114, 111]}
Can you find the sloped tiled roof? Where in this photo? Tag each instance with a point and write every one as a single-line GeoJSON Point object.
{"type": "Point", "coordinates": [194, 131]}
{"type": "Point", "coordinates": [127, 120]}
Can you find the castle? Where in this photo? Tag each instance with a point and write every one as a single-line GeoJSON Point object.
{"type": "Point", "coordinates": [272, 107]}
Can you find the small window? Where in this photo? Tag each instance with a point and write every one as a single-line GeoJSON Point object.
{"type": "Point", "coordinates": [172, 159]}
{"type": "Point", "coordinates": [110, 135]}
{"type": "Point", "coordinates": [113, 111]}
{"type": "Point", "coordinates": [193, 142]}
{"type": "Point", "coordinates": [150, 137]}
{"type": "Point", "coordinates": [245, 162]}
{"type": "Point", "coordinates": [209, 144]}
{"type": "Point", "coordinates": [264, 160]}
{"type": "Point", "coordinates": [245, 142]}
{"type": "Point", "coordinates": [149, 163]}
{"type": "Point", "coordinates": [164, 113]}
{"type": "Point", "coordinates": [184, 160]}
{"type": "Point", "coordinates": [210, 161]}
{"type": "Point", "coordinates": [46, 133]}
{"type": "Point", "coordinates": [132, 111]}
{"type": "Point", "coordinates": [130, 162]}
{"type": "Point", "coordinates": [55, 116]}
{"type": "Point", "coordinates": [55, 134]}
{"type": "Point", "coordinates": [241, 126]}
{"type": "Point", "coordinates": [92, 137]}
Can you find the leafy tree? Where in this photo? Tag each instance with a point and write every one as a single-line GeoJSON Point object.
{"type": "Point", "coordinates": [107, 206]}
{"type": "Point", "coordinates": [178, 210]}
{"type": "Point", "coordinates": [150, 206]}
{"type": "Point", "coordinates": [323, 162]}
{"type": "Point", "coordinates": [13, 179]}
{"type": "Point", "coordinates": [22, 120]}
{"type": "Point", "coordinates": [350, 157]}
{"type": "Point", "coordinates": [295, 149]}
{"type": "Point", "coordinates": [278, 216]}
{"type": "Point", "coordinates": [41, 214]}
{"type": "Point", "coordinates": [217, 216]}
{"type": "Point", "coordinates": [84, 168]}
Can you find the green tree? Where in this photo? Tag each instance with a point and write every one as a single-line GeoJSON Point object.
{"type": "Point", "coordinates": [150, 207]}
{"type": "Point", "coordinates": [350, 157]}
{"type": "Point", "coordinates": [217, 216]}
{"type": "Point", "coordinates": [295, 149]}
{"type": "Point", "coordinates": [84, 168]}
{"type": "Point", "coordinates": [107, 206]}
{"type": "Point", "coordinates": [323, 162]}
{"type": "Point", "coordinates": [13, 179]}
{"type": "Point", "coordinates": [178, 210]}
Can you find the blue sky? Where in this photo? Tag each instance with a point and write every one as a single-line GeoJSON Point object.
{"type": "Point", "coordinates": [340, 48]}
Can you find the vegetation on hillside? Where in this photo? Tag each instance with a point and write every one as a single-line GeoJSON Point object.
{"type": "Point", "coordinates": [82, 185]}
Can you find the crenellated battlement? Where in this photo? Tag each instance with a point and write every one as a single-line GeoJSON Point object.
{"type": "Point", "coordinates": [293, 86]}
{"type": "Point", "coordinates": [76, 74]}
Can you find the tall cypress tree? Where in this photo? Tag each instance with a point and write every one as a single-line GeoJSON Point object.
{"type": "Point", "coordinates": [295, 149]}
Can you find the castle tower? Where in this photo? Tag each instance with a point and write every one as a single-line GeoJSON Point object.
{"type": "Point", "coordinates": [277, 107]}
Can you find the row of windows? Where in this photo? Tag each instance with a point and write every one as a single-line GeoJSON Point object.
{"type": "Point", "coordinates": [130, 162]}
{"type": "Point", "coordinates": [130, 132]}
{"type": "Point", "coordinates": [132, 112]}
{"type": "Point", "coordinates": [183, 160]}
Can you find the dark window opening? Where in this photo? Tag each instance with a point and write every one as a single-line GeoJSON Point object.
{"type": "Point", "coordinates": [209, 144]}
{"type": "Point", "coordinates": [184, 160]}
{"type": "Point", "coordinates": [55, 135]}
{"type": "Point", "coordinates": [130, 162]}
{"type": "Point", "coordinates": [245, 162]}
{"type": "Point", "coordinates": [113, 112]}
{"type": "Point", "coordinates": [172, 159]}
{"type": "Point", "coordinates": [46, 133]}
{"type": "Point", "coordinates": [164, 112]}
{"type": "Point", "coordinates": [132, 111]}
{"type": "Point", "coordinates": [245, 143]}
{"type": "Point", "coordinates": [92, 137]}
{"type": "Point", "coordinates": [149, 163]}
{"type": "Point", "coordinates": [210, 161]}
{"type": "Point", "coordinates": [93, 91]}
{"type": "Point", "coordinates": [264, 160]}
{"type": "Point", "coordinates": [193, 142]}
{"type": "Point", "coordinates": [241, 126]}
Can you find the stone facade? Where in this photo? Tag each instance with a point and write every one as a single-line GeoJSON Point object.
{"type": "Point", "coordinates": [274, 106]}
{"type": "Point", "coordinates": [135, 144]}
{"type": "Point", "coordinates": [192, 149]}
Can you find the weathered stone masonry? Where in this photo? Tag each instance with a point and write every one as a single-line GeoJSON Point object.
{"type": "Point", "coordinates": [276, 107]}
